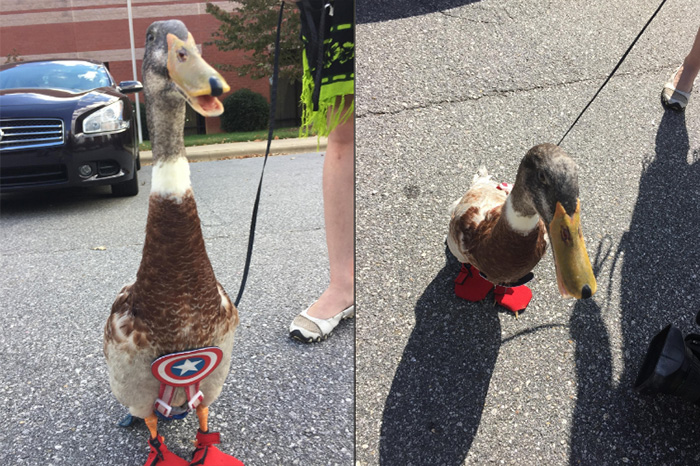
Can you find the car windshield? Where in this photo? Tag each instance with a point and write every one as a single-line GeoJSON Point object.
{"type": "Point", "coordinates": [73, 76]}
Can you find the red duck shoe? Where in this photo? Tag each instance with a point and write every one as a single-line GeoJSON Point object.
{"type": "Point", "coordinates": [470, 285]}
{"type": "Point", "coordinates": [206, 454]}
{"type": "Point", "coordinates": [515, 299]}
{"type": "Point", "coordinates": [161, 456]}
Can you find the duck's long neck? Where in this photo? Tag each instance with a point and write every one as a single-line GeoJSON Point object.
{"type": "Point", "coordinates": [174, 251]}
{"type": "Point", "coordinates": [171, 178]}
{"type": "Point", "coordinates": [171, 172]}
{"type": "Point", "coordinates": [518, 214]}
{"type": "Point", "coordinates": [166, 127]}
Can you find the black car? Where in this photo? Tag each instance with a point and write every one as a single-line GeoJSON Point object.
{"type": "Point", "coordinates": [66, 123]}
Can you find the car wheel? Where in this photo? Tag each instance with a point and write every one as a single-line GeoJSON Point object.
{"type": "Point", "coordinates": [127, 188]}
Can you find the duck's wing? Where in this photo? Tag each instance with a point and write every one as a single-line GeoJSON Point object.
{"type": "Point", "coordinates": [121, 330]}
{"type": "Point", "coordinates": [467, 215]}
{"type": "Point", "coordinates": [129, 352]}
{"type": "Point", "coordinates": [229, 312]}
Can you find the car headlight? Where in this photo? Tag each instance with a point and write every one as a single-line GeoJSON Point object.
{"type": "Point", "coordinates": [107, 119]}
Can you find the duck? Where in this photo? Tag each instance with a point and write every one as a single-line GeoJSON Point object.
{"type": "Point", "coordinates": [499, 232]}
{"type": "Point", "coordinates": [169, 337]}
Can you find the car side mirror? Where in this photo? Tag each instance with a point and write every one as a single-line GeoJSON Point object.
{"type": "Point", "coordinates": [129, 87]}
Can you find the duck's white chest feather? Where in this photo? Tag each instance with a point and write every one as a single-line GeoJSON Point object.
{"type": "Point", "coordinates": [171, 178]}
{"type": "Point", "coordinates": [522, 224]}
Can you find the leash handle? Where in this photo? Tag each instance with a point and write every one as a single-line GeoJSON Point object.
{"type": "Point", "coordinates": [612, 72]}
{"type": "Point", "coordinates": [271, 126]}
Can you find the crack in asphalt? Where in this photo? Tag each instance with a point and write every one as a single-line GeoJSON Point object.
{"type": "Point", "coordinates": [468, 20]}
{"type": "Point", "coordinates": [494, 93]}
{"type": "Point", "coordinates": [497, 92]}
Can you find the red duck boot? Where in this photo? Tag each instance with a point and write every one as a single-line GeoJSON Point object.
{"type": "Point", "coordinates": [470, 285]}
{"type": "Point", "coordinates": [206, 454]}
{"type": "Point", "coordinates": [515, 299]}
{"type": "Point", "coordinates": [161, 456]}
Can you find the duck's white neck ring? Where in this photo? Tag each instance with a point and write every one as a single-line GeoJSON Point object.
{"type": "Point", "coordinates": [523, 224]}
{"type": "Point", "coordinates": [171, 178]}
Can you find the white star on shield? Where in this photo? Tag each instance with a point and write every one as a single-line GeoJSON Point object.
{"type": "Point", "coordinates": [187, 366]}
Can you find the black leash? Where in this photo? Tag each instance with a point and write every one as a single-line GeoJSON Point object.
{"type": "Point", "coordinates": [273, 106]}
{"type": "Point", "coordinates": [612, 72]}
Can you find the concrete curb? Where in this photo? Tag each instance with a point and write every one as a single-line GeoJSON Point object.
{"type": "Point", "coordinates": [249, 149]}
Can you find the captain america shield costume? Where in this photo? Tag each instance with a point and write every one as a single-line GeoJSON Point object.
{"type": "Point", "coordinates": [184, 369]}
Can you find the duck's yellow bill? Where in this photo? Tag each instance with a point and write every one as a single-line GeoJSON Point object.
{"type": "Point", "coordinates": [198, 81]}
{"type": "Point", "coordinates": [574, 272]}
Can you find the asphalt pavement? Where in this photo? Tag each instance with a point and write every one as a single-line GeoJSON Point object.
{"type": "Point", "coordinates": [65, 256]}
{"type": "Point", "coordinates": [446, 87]}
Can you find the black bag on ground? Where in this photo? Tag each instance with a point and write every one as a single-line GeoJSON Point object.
{"type": "Point", "coordinates": [672, 365]}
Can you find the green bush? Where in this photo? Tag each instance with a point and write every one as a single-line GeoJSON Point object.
{"type": "Point", "coordinates": [245, 110]}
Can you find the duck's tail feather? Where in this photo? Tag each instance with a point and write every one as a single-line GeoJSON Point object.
{"type": "Point", "coordinates": [453, 206]}
{"type": "Point", "coordinates": [482, 177]}
{"type": "Point", "coordinates": [482, 172]}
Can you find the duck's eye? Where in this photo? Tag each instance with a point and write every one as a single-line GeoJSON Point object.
{"type": "Point", "coordinates": [542, 177]}
{"type": "Point", "coordinates": [150, 37]}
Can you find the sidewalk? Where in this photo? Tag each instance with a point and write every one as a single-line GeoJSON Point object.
{"type": "Point", "coordinates": [247, 149]}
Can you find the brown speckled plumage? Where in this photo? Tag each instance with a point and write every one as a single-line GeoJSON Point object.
{"type": "Point", "coordinates": [480, 235]}
{"type": "Point", "coordinates": [500, 253]}
{"type": "Point", "coordinates": [175, 303]}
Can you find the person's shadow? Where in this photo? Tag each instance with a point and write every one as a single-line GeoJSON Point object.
{"type": "Point", "coordinates": [437, 396]}
{"type": "Point", "coordinates": [660, 284]}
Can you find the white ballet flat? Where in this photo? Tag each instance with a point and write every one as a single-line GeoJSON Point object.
{"type": "Point", "coordinates": [672, 98]}
{"type": "Point", "coordinates": [310, 329]}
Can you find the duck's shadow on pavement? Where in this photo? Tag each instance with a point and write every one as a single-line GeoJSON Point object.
{"type": "Point", "coordinates": [437, 396]}
{"type": "Point", "coordinates": [660, 284]}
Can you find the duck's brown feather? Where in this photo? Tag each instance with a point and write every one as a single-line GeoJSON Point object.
{"type": "Point", "coordinates": [176, 303]}
{"type": "Point", "coordinates": [478, 235]}
{"type": "Point", "coordinates": [499, 252]}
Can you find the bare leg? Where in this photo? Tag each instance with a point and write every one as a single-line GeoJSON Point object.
{"type": "Point", "coordinates": [203, 416]}
{"type": "Point", "coordinates": [205, 444]}
{"type": "Point", "coordinates": [152, 424]}
{"type": "Point", "coordinates": [159, 452]}
{"type": "Point", "coordinates": [691, 66]}
{"type": "Point", "coordinates": [339, 213]}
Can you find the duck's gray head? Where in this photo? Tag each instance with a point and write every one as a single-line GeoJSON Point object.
{"type": "Point", "coordinates": [549, 178]}
{"type": "Point", "coordinates": [173, 69]}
